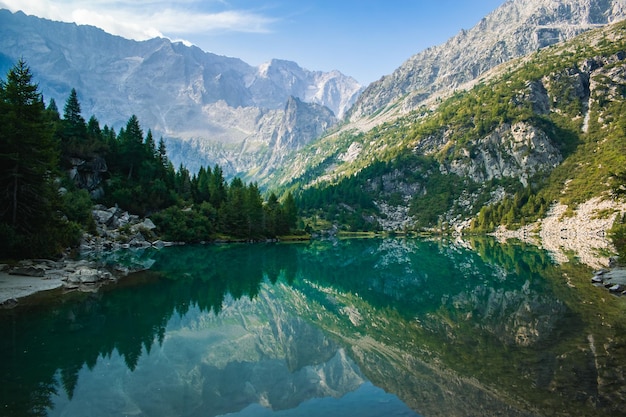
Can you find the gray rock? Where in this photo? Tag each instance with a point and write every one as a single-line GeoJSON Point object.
{"type": "Point", "coordinates": [148, 224]}
{"type": "Point", "coordinates": [87, 275]}
{"type": "Point", "coordinates": [102, 216]}
{"type": "Point", "coordinates": [616, 288]}
{"type": "Point", "coordinates": [597, 279]}
{"type": "Point", "coordinates": [29, 271]}
{"type": "Point", "coordinates": [161, 244]}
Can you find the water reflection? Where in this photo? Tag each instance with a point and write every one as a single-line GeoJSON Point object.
{"type": "Point", "coordinates": [370, 325]}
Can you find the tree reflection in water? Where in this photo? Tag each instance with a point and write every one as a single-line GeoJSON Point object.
{"type": "Point", "coordinates": [450, 330]}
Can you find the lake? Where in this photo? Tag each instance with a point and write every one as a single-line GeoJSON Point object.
{"type": "Point", "coordinates": [356, 327]}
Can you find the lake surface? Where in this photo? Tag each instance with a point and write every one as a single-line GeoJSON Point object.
{"type": "Point", "coordinates": [375, 327]}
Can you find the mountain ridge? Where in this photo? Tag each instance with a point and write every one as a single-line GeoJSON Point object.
{"type": "Point", "coordinates": [180, 92]}
{"type": "Point", "coordinates": [540, 130]}
{"type": "Point", "coordinates": [515, 29]}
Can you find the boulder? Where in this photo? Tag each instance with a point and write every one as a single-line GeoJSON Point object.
{"type": "Point", "coordinates": [597, 279]}
{"type": "Point", "coordinates": [87, 275]}
{"type": "Point", "coordinates": [139, 241]}
{"type": "Point", "coordinates": [28, 271]}
{"type": "Point", "coordinates": [147, 224]}
{"type": "Point", "coordinates": [102, 216]}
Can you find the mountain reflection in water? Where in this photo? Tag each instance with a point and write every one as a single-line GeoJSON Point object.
{"type": "Point", "coordinates": [349, 327]}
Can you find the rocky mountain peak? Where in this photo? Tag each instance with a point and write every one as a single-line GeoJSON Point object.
{"type": "Point", "coordinates": [201, 101]}
{"type": "Point", "coordinates": [515, 29]}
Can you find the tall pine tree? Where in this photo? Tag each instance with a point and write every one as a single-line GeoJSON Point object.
{"type": "Point", "coordinates": [28, 160]}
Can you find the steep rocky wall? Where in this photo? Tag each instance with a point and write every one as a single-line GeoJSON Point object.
{"type": "Point", "coordinates": [515, 151]}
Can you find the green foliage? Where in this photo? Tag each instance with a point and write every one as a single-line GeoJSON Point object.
{"type": "Point", "coordinates": [618, 185]}
{"type": "Point", "coordinates": [37, 220]}
{"type": "Point", "coordinates": [441, 192]}
{"type": "Point", "coordinates": [77, 138]}
{"type": "Point", "coordinates": [618, 237]}
{"type": "Point", "coordinates": [242, 215]}
{"type": "Point", "coordinates": [77, 207]}
{"type": "Point", "coordinates": [30, 207]}
{"type": "Point", "coordinates": [523, 207]}
{"type": "Point", "coordinates": [546, 90]}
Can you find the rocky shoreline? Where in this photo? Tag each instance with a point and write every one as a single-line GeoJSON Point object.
{"type": "Point", "coordinates": [582, 234]}
{"type": "Point", "coordinates": [32, 276]}
{"type": "Point", "coordinates": [115, 230]}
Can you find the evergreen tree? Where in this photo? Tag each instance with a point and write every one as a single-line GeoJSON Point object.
{"type": "Point", "coordinates": [151, 150]}
{"type": "Point", "coordinates": [217, 187]}
{"type": "Point", "coordinates": [272, 215]}
{"type": "Point", "coordinates": [73, 130]}
{"type": "Point", "coordinates": [182, 183]}
{"type": "Point", "coordinates": [290, 212]}
{"type": "Point", "coordinates": [28, 152]}
{"type": "Point", "coordinates": [28, 160]}
{"type": "Point", "coordinates": [71, 111]}
{"type": "Point", "coordinates": [93, 129]}
{"type": "Point", "coordinates": [203, 193]}
{"type": "Point", "coordinates": [232, 211]}
{"type": "Point", "coordinates": [53, 111]}
{"type": "Point", "coordinates": [253, 210]}
{"type": "Point", "coordinates": [131, 147]}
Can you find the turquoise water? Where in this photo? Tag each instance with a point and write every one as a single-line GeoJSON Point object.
{"type": "Point", "coordinates": [374, 327]}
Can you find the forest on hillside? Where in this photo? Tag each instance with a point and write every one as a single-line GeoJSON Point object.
{"type": "Point", "coordinates": [54, 167]}
{"type": "Point", "coordinates": [462, 161]}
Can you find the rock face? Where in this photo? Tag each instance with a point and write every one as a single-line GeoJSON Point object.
{"type": "Point", "coordinates": [88, 175]}
{"type": "Point", "coordinates": [227, 110]}
{"type": "Point", "coordinates": [517, 151]}
{"type": "Point", "coordinates": [515, 29]}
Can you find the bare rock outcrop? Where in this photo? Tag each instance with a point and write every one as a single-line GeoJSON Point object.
{"type": "Point", "coordinates": [515, 29]}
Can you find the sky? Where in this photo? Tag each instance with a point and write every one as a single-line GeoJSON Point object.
{"type": "Point", "coordinates": [365, 39]}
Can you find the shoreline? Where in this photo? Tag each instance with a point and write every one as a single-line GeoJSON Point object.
{"type": "Point", "coordinates": [584, 234]}
{"type": "Point", "coordinates": [30, 277]}
{"type": "Point", "coordinates": [15, 287]}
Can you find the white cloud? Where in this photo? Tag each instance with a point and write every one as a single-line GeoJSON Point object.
{"type": "Point", "coordinates": [144, 19]}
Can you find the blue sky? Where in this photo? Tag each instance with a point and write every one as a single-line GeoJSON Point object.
{"type": "Point", "coordinates": [365, 39]}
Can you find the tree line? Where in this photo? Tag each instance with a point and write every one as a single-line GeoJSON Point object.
{"type": "Point", "coordinates": [54, 167]}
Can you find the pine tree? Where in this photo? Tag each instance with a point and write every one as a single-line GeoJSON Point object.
{"type": "Point", "coordinates": [73, 130]}
{"type": "Point", "coordinates": [217, 188]}
{"type": "Point", "coordinates": [151, 150]}
{"type": "Point", "coordinates": [53, 111]}
{"type": "Point", "coordinates": [28, 160]}
{"type": "Point", "coordinates": [272, 215]}
{"type": "Point", "coordinates": [131, 147]}
{"type": "Point", "coordinates": [71, 111]}
{"type": "Point", "coordinates": [203, 193]}
{"type": "Point", "coordinates": [253, 209]}
{"type": "Point", "coordinates": [232, 211]}
{"type": "Point", "coordinates": [290, 211]}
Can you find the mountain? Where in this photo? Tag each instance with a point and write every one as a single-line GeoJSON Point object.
{"type": "Point", "coordinates": [515, 29]}
{"type": "Point", "coordinates": [539, 134]}
{"type": "Point", "coordinates": [222, 107]}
